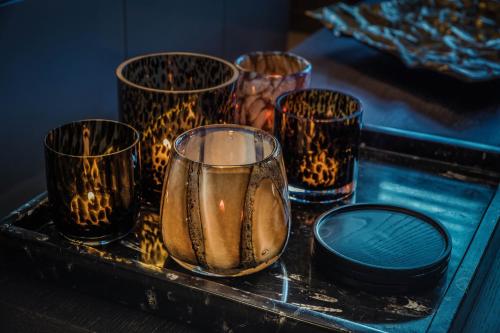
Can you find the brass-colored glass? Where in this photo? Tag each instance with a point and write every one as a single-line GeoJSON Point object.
{"type": "Point", "coordinates": [319, 131]}
{"type": "Point", "coordinates": [225, 208]}
{"type": "Point", "coordinates": [264, 76]}
{"type": "Point", "coordinates": [92, 173]}
{"type": "Point", "coordinates": [165, 94]}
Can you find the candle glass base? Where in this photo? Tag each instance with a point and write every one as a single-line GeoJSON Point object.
{"type": "Point", "coordinates": [96, 241]}
{"type": "Point", "coordinates": [228, 272]}
{"type": "Point", "coordinates": [328, 196]}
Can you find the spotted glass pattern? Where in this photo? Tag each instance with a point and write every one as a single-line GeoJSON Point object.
{"type": "Point", "coordinates": [92, 173]}
{"type": "Point", "coordinates": [163, 95]}
{"type": "Point", "coordinates": [319, 131]}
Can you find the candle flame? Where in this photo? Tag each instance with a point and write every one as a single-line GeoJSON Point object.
{"type": "Point", "coordinates": [221, 206]}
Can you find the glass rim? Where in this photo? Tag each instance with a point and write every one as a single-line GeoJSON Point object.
{"type": "Point", "coordinates": [284, 96]}
{"type": "Point", "coordinates": [306, 70]}
{"type": "Point", "coordinates": [115, 122]}
{"type": "Point", "coordinates": [273, 154]}
{"type": "Point", "coordinates": [123, 79]}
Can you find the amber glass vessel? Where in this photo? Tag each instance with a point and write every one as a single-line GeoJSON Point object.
{"type": "Point", "coordinates": [319, 131]}
{"type": "Point", "coordinates": [92, 173]}
{"type": "Point", "coordinates": [263, 77]}
{"type": "Point", "coordinates": [165, 94]}
{"type": "Point", "coordinates": [225, 208]}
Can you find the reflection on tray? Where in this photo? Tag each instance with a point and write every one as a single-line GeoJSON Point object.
{"type": "Point", "coordinates": [294, 284]}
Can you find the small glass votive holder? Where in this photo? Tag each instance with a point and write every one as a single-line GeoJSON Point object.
{"type": "Point", "coordinates": [225, 209]}
{"type": "Point", "coordinates": [92, 172]}
{"type": "Point", "coordinates": [319, 131]}
{"type": "Point", "coordinates": [263, 77]}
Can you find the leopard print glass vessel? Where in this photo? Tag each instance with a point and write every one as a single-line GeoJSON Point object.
{"type": "Point", "coordinates": [163, 95]}
{"type": "Point", "coordinates": [264, 76]}
{"type": "Point", "coordinates": [225, 208]}
{"type": "Point", "coordinates": [319, 131]}
{"type": "Point", "coordinates": [92, 174]}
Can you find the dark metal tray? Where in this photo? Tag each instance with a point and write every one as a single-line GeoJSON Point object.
{"type": "Point", "coordinates": [452, 181]}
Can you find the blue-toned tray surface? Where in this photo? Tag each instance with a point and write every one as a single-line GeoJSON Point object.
{"type": "Point", "coordinates": [293, 293]}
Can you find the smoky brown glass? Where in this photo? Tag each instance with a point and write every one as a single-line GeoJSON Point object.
{"type": "Point", "coordinates": [319, 131]}
{"type": "Point", "coordinates": [225, 209]}
{"type": "Point", "coordinates": [163, 95]}
{"type": "Point", "coordinates": [92, 177]}
{"type": "Point", "coordinates": [263, 77]}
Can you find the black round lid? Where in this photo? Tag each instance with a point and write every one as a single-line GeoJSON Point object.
{"type": "Point", "coordinates": [380, 245]}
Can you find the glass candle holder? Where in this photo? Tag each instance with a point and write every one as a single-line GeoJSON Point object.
{"type": "Point", "coordinates": [319, 131]}
{"type": "Point", "coordinates": [165, 94]}
{"type": "Point", "coordinates": [92, 172]}
{"type": "Point", "coordinates": [225, 208]}
{"type": "Point", "coordinates": [263, 77]}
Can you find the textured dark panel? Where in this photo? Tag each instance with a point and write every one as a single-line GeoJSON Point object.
{"type": "Point", "coordinates": [58, 58]}
{"type": "Point", "coordinates": [175, 25]}
{"type": "Point", "coordinates": [223, 28]}
{"type": "Point", "coordinates": [57, 64]}
{"type": "Point", "coordinates": [259, 25]}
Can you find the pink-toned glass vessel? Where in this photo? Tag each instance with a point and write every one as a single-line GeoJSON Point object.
{"type": "Point", "coordinates": [263, 77]}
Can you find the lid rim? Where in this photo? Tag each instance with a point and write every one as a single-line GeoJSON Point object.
{"type": "Point", "coordinates": [356, 265]}
{"type": "Point", "coordinates": [399, 278]}
{"type": "Point", "coordinates": [409, 286]}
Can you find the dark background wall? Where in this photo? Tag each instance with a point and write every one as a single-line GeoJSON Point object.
{"type": "Point", "coordinates": [57, 62]}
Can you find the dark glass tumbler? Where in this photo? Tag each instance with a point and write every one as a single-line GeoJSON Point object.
{"type": "Point", "coordinates": [319, 131]}
{"type": "Point", "coordinates": [92, 173]}
{"type": "Point", "coordinates": [163, 95]}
